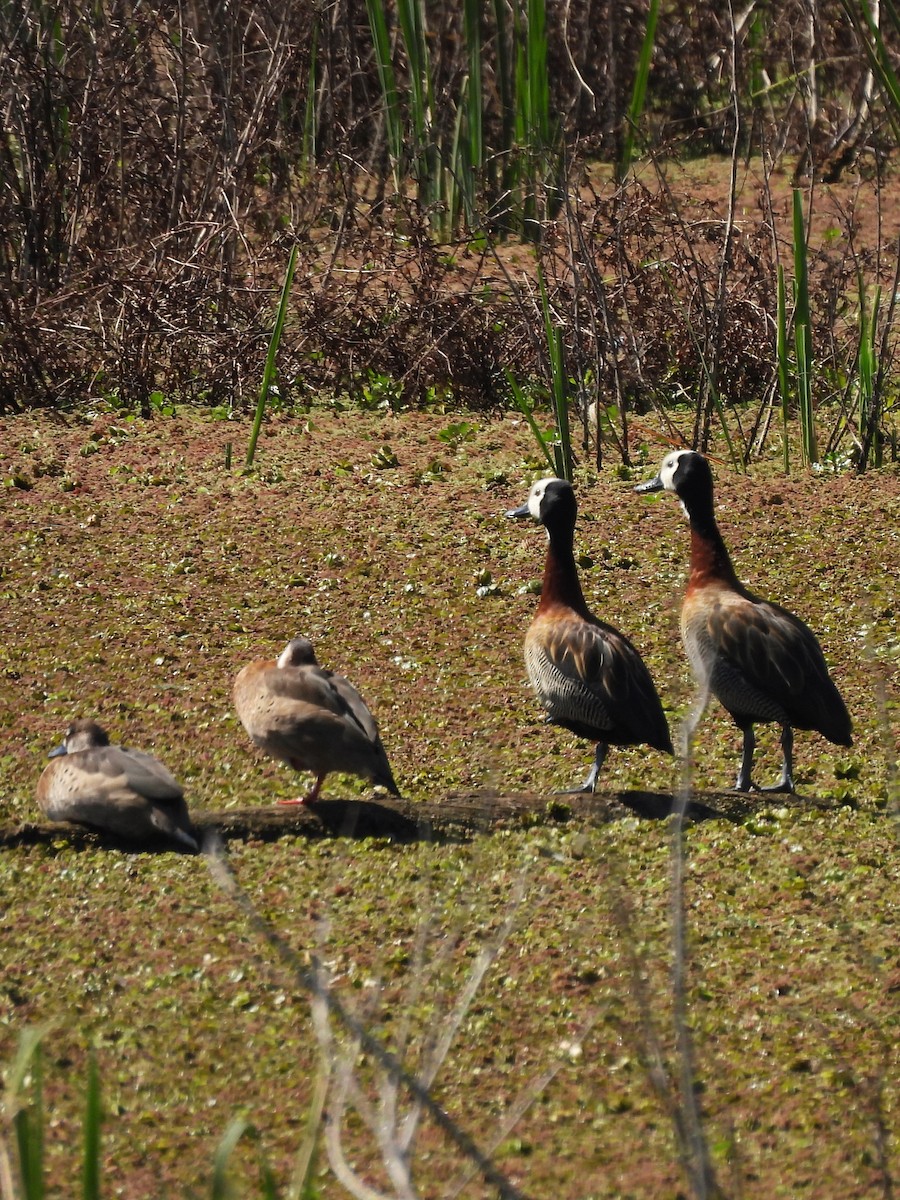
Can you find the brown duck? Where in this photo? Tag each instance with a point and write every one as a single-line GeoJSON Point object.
{"type": "Point", "coordinates": [310, 718]}
{"type": "Point", "coordinates": [110, 788]}
{"type": "Point", "coordinates": [587, 675]}
{"type": "Point", "coordinates": [759, 660]}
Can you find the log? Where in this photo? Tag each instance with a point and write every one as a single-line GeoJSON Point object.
{"type": "Point", "coordinates": [459, 817]}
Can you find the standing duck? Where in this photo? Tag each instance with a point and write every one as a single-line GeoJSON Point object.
{"type": "Point", "coordinates": [759, 660]}
{"type": "Point", "coordinates": [113, 789]}
{"type": "Point", "coordinates": [310, 718]}
{"type": "Point", "coordinates": [587, 675]}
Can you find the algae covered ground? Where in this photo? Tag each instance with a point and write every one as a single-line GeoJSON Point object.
{"type": "Point", "coordinates": [140, 571]}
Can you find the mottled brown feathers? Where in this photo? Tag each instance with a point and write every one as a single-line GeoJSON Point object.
{"type": "Point", "coordinates": [314, 720]}
{"type": "Point", "coordinates": [113, 789]}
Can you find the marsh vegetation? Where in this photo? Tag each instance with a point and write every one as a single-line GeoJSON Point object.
{"type": "Point", "coordinates": [657, 227]}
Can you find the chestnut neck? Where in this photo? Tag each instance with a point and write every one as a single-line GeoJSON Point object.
{"type": "Point", "coordinates": [561, 587]}
{"type": "Point", "coordinates": [710, 560]}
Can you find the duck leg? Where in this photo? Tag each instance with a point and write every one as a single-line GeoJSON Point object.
{"type": "Point", "coordinates": [311, 796]}
{"type": "Point", "coordinates": [786, 782]}
{"type": "Point", "coordinates": [743, 780]}
{"type": "Point", "coordinates": [591, 782]}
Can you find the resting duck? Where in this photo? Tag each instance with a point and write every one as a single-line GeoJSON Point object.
{"type": "Point", "coordinates": [310, 718]}
{"type": "Point", "coordinates": [759, 660]}
{"type": "Point", "coordinates": [587, 675]}
{"type": "Point", "coordinates": [113, 789]}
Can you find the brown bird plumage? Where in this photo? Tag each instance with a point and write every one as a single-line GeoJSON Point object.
{"type": "Point", "coordinates": [120, 791]}
{"type": "Point", "coordinates": [760, 661]}
{"type": "Point", "coordinates": [587, 675]}
{"type": "Point", "coordinates": [310, 718]}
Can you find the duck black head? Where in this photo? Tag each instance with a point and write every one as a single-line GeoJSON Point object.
{"type": "Point", "coordinates": [688, 475]}
{"type": "Point", "coordinates": [552, 502]}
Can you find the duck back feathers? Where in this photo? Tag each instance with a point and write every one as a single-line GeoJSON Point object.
{"type": "Point", "coordinates": [592, 681]}
{"type": "Point", "coordinates": [762, 662]}
{"type": "Point", "coordinates": [309, 717]}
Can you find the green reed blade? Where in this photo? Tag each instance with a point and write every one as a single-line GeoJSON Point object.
{"type": "Point", "coordinates": [385, 67]}
{"type": "Point", "coordinates": [308, 145]}
{"type": "Point", "coordinates": [781, 351]}
{"type": "Point", "coordinates": [803, 334]}
{"type": "Point", "coordinates": [524, 408]}
{"type": "Point", "coordinates": [875, 50]}
{"type": "Point", "coordinates": [93, 1118]}
{"type": "Point", "coordinates": [221, 1189]}
{"type": "Point", "coordinates": [639, 92]}
{"type": "Point", "coordinates": [473, 32]}
{"type": "Point", "coordinates": [269, 370]}
{"type": "Point", "coordinates": [538, 82]}
{"type": "Point", "coordinates": [559, 382]}
{"type": "Point", "coordinates": [29, 1121]}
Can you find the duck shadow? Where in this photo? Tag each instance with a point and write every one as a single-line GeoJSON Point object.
{"type": "Point", "coordinates": [732, 806]}
{"type": "Point", "coordinates": [356, 819]}
{"type": "Point", "coordinates": [659, 806]}
{"type": "Point", "coordinates": [456, 818]}
{"type": "Point", "coordinates": [369, 819]}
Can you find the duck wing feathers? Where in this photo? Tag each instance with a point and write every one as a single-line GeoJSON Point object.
{"type": "Point", "coordinates": [764, 663]}
{"type": "Point", "coordinates": [309, 688]}
{"type": "Point", "coordinates": [126, 792]}
{"type": "Point", "coordinates": [323, 689]}
{"type": "Point", "coordinates": [312, 719]}
{"type": "Point", "coordinates": [592, 680]}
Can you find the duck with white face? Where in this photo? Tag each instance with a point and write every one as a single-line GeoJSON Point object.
{"type": "Point", "coordinates": [758, 659]}
{"type": "Point", "coordinates": [588, 676]}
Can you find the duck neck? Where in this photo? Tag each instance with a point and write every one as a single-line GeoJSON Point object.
{"type": "Point", "coordinates": [709, 555]}
{"type": "Point", "coordinates": [561, 586]}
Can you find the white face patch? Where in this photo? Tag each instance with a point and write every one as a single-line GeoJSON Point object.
{"type": "Point", "coordinates": [669, 467]}
{"type": "Point", "coordinates": [297, 653]}
{"type": "Point", "coordinates": [536, 496]}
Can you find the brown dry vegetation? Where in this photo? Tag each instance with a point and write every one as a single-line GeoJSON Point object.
{"type": "Point", "coordinates": [156, 170]}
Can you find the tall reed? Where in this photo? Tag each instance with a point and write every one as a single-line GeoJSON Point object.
{"type": "Point", "coordinates": [803, 342]}
{"type": "Point", "coordinates": [525, 407]}
{"type": "Point", "coordinates": [393, 122]}
{"type": "Point", "coordinates": [559, 386]}
{"type": "Point", "coordinates": [511, 184]}
{"type": "Point", "coordinates": [93, 1119]}
{"type": "Point", "coordinates": [867, 19]}
{"type": "Point", "coordinates": [639, 90]}
{"type": "Point", "coordinates": [271, 357]}
{"type": "Point", "coordinates": [23, 1107]}
{"type": "Point", "coordinates": [869, 410]}
{"type": "Point", "coordinates": [784, 375]}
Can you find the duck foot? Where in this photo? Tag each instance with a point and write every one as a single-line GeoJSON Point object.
{"type": "Point", "coordinates": [296, 801]}
{"type": "Point", "coordinates": [773, 789]}
{"type": "Point", "coordinates": [589, 786]}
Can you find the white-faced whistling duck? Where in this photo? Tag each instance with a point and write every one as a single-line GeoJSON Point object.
{"type": "Point", "coordinates": [587, 675]}
{"type": "Point", "coordinates": [760, 661]}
